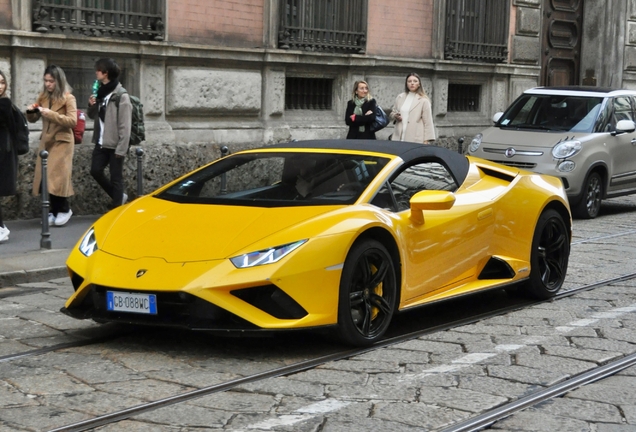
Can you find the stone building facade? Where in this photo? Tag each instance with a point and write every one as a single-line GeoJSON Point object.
{"type": "Point", "coordinates": [218, 73]}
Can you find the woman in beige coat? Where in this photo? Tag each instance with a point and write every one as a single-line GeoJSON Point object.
{"type": "Point", "coordinates": [412, 113]}
{"type": "Point", "coordinates": [58, 109]}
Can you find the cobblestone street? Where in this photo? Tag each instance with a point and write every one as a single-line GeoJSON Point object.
{"type": "Point", "coordinates": [428, 383]}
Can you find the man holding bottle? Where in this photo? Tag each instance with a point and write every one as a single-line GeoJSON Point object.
{"type": "Point", "coordinates": [111, 109]}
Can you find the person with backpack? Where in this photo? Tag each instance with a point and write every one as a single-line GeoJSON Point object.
{"type": "Point", "coordinates": [8, 155]}
{"type": "Point", "coordinates": [111, 109]}
{"type": "Point", "coordinates": [57, 108]}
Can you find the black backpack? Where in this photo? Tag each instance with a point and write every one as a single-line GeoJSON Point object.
{"type": "Point", "coordinates": [21, 136]}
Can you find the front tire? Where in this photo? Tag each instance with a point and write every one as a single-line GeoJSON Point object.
{"type": "Point", "coordinates": [589, 205]}
{"type": "Point", "coordinates": [549, 256]}
{"type": "Point", "coordinates": [368, 294]}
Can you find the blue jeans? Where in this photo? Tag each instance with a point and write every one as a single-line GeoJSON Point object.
{"type": "Point", "coordinates": [114, 186]}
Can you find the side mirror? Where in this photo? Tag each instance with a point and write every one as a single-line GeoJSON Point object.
{"type": "Point", "coordinates": [496, 117]}
{"type": "Point", "coordinates": [624, 126]}
{"type": "Point", "coordinates": [429, 200]}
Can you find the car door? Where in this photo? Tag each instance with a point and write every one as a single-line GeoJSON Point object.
{"type": "Point", "coordinates": [446, 249]}
{"type": "Point", "coordinates": [622, 148]}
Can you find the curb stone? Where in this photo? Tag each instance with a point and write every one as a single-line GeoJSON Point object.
{"type": "Point", "coordinates": [25, 276]}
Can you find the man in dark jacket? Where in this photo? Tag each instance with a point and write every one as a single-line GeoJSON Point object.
{"type": "Point", "coordinates": [112, 111]}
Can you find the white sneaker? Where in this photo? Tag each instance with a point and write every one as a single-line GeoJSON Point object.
{"type": "Point", "coordinates": [124, 199]}
{"type": "Point", "coordinates": [51, 219]}
{"type": "Point", "coordinates": [4, 234]}
{"type": "Point", "coordinates": [62, 218]}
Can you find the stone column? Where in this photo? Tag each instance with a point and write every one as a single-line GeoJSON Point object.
{"type": "Point", "coordinates": [21, 12]}
{"type": "Point", "coordinates": [526, 41]}
{"type": "Point", "coordinates": [273, 109]}
{"type": "Point", "coordinates": [439, 98]}
{"type": "Point", "coordinates": [30, 70]}
{"type": "Point", "coordinates": [606, 53]}
{"type": "Point", "coordinates": [271, 18]}
{"type": "Point", "coordinates": [152, 92]}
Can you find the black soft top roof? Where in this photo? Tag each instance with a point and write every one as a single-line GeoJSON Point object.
{"type": "Point", "coordinates": [407, 151]}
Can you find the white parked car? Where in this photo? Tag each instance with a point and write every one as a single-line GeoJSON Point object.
{"type": "Point", "coordinates": [583, 135]}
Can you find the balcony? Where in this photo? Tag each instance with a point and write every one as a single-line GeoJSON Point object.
{"type": "Point", "coordinates": [126, 19]}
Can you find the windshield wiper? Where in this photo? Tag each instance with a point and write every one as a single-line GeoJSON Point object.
{"type": "Point", "coordinates": [526, 126]}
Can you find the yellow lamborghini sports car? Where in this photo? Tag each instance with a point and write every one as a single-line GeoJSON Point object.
{"type": "Point", "coordinates": [318, 234]}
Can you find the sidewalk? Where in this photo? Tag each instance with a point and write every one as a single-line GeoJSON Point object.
{"type": "Point", "coordinates": [21, 258]}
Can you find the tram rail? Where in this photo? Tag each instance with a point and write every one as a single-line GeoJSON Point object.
{"type": "Point", "coordinates": [506, 410]}
{"type": "Point", "coordinates": [490, 417]}
{"type": "Point", "coordinates": [107, 338]}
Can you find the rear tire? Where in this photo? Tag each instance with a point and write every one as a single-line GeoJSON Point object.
{"type": "Point", "coordinates": [368, 294]}
{"type": "Point", "coordinates": [549, 256]}
{"type": "Point", "coordinates": [589, 205]}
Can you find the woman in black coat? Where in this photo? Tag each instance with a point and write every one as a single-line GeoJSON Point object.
{"type": "Point", "coordinates": [8, 156]}
{"type": "Point", "coordinates": [360, 112]}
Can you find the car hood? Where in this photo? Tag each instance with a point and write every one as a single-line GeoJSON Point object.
{"type": "Point", "coordinates": [522, 138]}
{"type": "Point", "coordinates": [151, 227]}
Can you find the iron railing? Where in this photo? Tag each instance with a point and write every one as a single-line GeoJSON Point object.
{"type": "Point", "coordinates": [463, 97]}
{"type": "Point", "coordinates": [323, 25]}
{"type": "Point", "coordinates": [477, 30]}
{"type": "Point", "coordinates": [128, 19]}
{"type": "Point", "coordinates": [308, 93]}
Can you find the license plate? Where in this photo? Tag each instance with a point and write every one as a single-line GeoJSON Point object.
{"type": "Point", "coordinates": [131, 302]}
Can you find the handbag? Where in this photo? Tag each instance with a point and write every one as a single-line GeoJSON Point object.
{"type": "Point", "coordinates": [78, 130]}
{"type": "Point", "coordinates": [21, 137]}
{"type": "Point", "coordinates": [381, 120]}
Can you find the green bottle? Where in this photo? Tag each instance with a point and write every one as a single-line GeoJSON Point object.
{"type": "Point", "coordinates": [96, 86]}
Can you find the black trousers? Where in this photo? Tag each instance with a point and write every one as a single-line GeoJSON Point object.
{"type": "Point", "coordinates": [113, 186]}
{"type": "Point", "coordinates": [59, 204]}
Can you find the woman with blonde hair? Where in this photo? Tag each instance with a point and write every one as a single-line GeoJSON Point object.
{"type": "Point", "coordinates": [8, 155]}
{"type": "Point", "coordinates": [58, 109]}
{"type": "Point", "coordinates": [412, 113]}
{"type": "Point", "coordinates": [360, 112]}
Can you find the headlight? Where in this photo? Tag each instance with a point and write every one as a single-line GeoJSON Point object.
{"type": "Point", "coordinates": [566, 149]}
{"type": "Point", "coordinates": [566, 166]}
{"type": "Point", "coordinates": [89, 244]}
{"type": "Point", "coordinates": [265, 256]}
{"type": "Point", "coordinates": [475, 143]}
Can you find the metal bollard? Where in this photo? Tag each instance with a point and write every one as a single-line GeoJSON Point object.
{"type": "Point", "coordinates": [45, 240]}
{"type": "Point", "coordinates": [224, 152]}
{"type": "Point", "coordinates": [460, 145]}
{"type": "Point", "coordinates": [140, 187]}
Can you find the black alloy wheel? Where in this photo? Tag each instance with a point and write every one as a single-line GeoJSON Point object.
{"type": "Point", "coordinates": [368, 294]}
{"type": "Point", "coordinates": [590, 204]}
{"type": "Point", "coordinates": [549, 255]}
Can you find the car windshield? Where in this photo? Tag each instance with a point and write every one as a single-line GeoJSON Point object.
{"type": "Point", "coordinates": [269, 179]}
{"type": "Point", "coordinates": [552, 113]}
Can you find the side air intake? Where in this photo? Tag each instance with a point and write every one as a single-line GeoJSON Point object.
{"type": "Point", "coordinates": [496, 268]}
{"type": "Point", "coordinates": [497, 174]}
{"type": "Point", "coordinates": [273, 300]}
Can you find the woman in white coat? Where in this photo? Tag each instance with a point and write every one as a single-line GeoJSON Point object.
{"type": "Point", "coordinates": [412, 113]}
